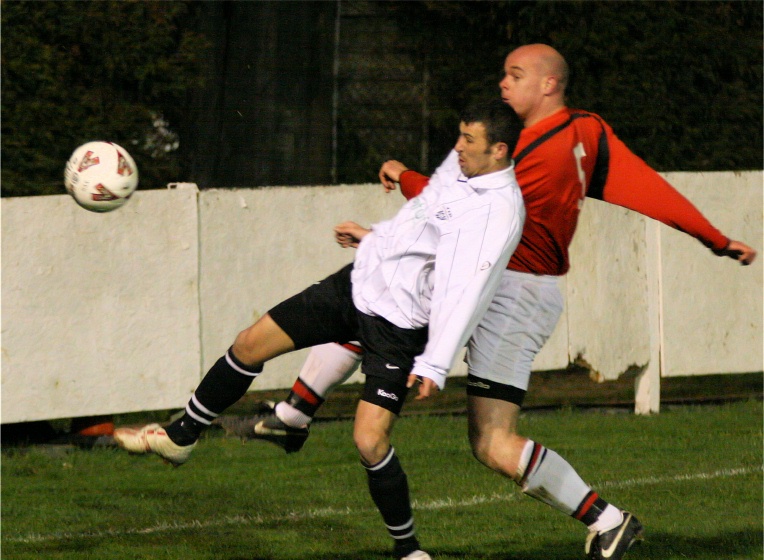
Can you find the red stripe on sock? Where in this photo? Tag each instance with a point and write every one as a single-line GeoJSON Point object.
{"type": "Point", "coordinates": [353, 348]}
{"type": "Point", "coordinates": [304, 393]}
{"type": "Point", "coordinates": [586, 505]}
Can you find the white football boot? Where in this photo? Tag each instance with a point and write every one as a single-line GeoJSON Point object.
{"type": "Point", "coordinates": [153, 439]}
{"type": "Point", "coordinates": [417, 555]}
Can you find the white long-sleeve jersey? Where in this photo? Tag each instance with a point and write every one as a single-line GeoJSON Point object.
{"type": "Point", "coordinates": [438, 262]}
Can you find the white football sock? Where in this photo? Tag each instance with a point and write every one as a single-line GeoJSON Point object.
{"type": "Point", "coordinates": [326, 367]}
{"type": "Point", "coordinates": [549, 478]}
{"type": "Point", "coordinates": [290, 416]}
{"type": "Point", "coordinates": [610, 518]}
{"type": "Point", "coordinates": [329, 365]}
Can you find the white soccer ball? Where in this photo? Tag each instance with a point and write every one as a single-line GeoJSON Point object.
{"type": "Point", "coordinates": [101, 176]}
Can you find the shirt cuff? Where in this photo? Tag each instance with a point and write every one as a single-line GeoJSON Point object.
{"type": "Point", "coordinates": [436, 374]}
{"type": "Point", "coordinates": [720, 251]}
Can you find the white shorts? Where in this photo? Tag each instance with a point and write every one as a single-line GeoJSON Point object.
{"type": "Point", "coordinates": [519, 320]}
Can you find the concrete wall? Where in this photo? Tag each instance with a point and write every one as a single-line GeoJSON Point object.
{"type": "Point", "coordinates": [711, 312]}
{"type": "Point", "coordinates": [120, 312]}
{"type": "Point", "coordinates": [263, 245]}
{"type": "Point", "coordinates": [606, 297]}
{"type": "Point", "coordinates": [100, 311]}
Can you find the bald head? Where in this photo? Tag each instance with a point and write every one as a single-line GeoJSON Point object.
{"type": "Point", "coordinates": [545, 60]}
{"type": "Point", "coordinates": [535, 77]}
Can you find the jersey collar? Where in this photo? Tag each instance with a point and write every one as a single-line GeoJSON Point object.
{"type": "Point", "coordinates": [495, 180]}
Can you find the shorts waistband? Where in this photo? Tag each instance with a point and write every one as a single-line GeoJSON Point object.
{"type": "Point", "coordinates": [528, 277]}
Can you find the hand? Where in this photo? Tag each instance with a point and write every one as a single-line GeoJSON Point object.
{"type": "Point", "coordinates": [427, 386]}
{"type": "Point", "coordinates": [390, 174]}
{"type": "Point", "coordinates": [738, 251]}
{"type": "Point", "coordinates": [349, 234]}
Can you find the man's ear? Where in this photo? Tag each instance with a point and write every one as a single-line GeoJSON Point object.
{"type": "Point", "coordinates": [500, 151]}
{"type": "Point", "coordinates": [551, 84]}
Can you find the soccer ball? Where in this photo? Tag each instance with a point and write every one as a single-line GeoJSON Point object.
{"type": "Point", "coordinates": [101, 176]}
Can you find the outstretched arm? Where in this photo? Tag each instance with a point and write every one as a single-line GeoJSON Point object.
{"type": "Point", "coordinates": [631, 183]}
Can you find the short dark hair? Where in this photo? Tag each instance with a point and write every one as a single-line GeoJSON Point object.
{"type": "Point", "coordinates": [499, 119]}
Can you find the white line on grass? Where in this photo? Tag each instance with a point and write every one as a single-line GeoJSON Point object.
{"type": "Point", "coordinates": [444, 503]}
{"type": "Point", "coordinates": [724, 473]}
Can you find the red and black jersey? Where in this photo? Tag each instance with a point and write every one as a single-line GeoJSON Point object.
{"type": "Point", "coordinates": [566, 157]}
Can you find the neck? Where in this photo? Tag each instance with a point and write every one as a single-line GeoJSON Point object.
{"type": "Point", "coordinates": [543, 113]}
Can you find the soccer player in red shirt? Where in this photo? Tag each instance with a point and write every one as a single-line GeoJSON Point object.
{"type": "Point", "coordinates": [563, 156]}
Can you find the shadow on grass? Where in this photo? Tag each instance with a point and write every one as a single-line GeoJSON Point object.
{"type": "Point", "coordinates": [733, 544]}
{"type": "Point", "coordinates": [744, 544]}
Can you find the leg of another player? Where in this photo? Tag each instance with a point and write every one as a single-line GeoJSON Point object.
{"type": "Point", "coordinates": [545, 475]}
{"type": "Point", "coordinates": [326, 367]}
{"type": "Point", "coordinates": [388, 484]}
{"type": "Point", "coordinates": [493, 434]}
{"type": "Point", "coordinates": [541, 473]}
{"type": "Point", "coordinates": [288, 424]}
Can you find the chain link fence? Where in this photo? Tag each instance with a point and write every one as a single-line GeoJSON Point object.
{"type": "Point", "coordinates": [381, 91]}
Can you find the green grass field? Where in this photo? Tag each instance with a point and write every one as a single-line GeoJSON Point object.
{"type": "Point", "coordinates": [693, 475]}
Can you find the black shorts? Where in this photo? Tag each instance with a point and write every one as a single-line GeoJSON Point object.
{"type": "Point", "coordinates": [324, 312]}
{"type": "Point", "coordinates": [385, 393]}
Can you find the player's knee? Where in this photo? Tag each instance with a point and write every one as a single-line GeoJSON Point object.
{"type": "Point", "coordinates": [481, 449]}
{"type": "Point", "coordinates": [261, 342]}
{"type": "Point", "coordinates": [372, 446]}
{"type": "Point", "coordinates": [242, 346]}
{"type": "Point", "coordinates": [497, 450]}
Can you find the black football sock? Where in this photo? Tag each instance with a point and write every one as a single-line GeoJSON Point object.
{"type": "Point", "coordinates": [389, 489]}
{"type": "Point", "coordinates": [225, 383]}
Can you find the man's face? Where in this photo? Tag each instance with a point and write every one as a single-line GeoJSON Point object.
{"type": "Point", "coordinates": [522, 86]}
{"type": "Point", "coordinates": [476, 157]}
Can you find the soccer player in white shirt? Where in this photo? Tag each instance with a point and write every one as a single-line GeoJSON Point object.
{"type": "Point", "coordinates": [418, 286]}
